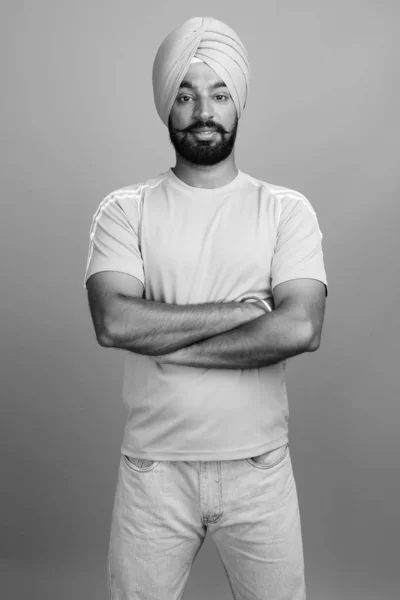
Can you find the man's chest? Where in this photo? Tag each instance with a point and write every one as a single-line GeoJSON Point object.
{"type": "Point", "coordinates": [228, 238]}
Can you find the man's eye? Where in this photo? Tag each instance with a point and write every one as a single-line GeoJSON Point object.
{"type": "Point", "coordinates": [185, 98]}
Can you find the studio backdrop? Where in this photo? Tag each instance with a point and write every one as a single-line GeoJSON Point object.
{"type": "Point", "coordinates": [79, 121]}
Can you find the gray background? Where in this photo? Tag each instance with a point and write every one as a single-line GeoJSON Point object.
{"type": "Point", "coordinates": [78, 122]}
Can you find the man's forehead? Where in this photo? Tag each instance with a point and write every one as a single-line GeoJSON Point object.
{"type": "Point", "coordinates": [200, 73]}
{"type": "Point", "coordinates": [197, 83]}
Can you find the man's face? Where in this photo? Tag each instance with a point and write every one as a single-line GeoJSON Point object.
{"type": "Point", "coordinates": [203, 102]}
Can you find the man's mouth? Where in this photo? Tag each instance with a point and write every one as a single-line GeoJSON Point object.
{"type": "Point", "coordinates": [203, 134]}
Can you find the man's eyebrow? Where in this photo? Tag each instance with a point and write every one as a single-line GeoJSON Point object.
{"type": "Point", "coordinates": [212, 86]}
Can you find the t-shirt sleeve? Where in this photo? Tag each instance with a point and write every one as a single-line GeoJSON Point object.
{"type": "Point", "coordinates": [298, 251]}
{"type": "Point", "coordinates": [114, 243]}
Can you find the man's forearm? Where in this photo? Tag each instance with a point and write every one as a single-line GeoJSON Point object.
{"type": "Point", "coordinates": [264, 341]}
{"type": "Point", "coordinates": [156, 328]}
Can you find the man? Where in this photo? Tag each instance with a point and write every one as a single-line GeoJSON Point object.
{"type": "Point", "coordinates": [170, 260]}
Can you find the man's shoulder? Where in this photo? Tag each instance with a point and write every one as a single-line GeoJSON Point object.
{"type": "Point", "coordinates": [280, 191]}
{"type": "Point", "coordinates": [287, 198]}
{"type": "Point", "coordinates": [134, 190]}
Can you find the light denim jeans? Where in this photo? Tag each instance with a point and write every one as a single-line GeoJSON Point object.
{"type": "Point", "coordinates": [164, 509]}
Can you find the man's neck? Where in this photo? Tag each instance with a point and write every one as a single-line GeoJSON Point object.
{"type": "Point", "coordinates": [202, 176]}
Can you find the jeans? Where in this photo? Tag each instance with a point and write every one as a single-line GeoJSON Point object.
{"type": "Point", "coordinates": [164, 509]}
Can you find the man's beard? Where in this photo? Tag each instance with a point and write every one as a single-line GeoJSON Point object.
{"type": "Point", "coordinates": [203, 152]}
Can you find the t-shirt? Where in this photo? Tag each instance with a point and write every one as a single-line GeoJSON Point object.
{"type": "Point", "coordinates": [191, 245]}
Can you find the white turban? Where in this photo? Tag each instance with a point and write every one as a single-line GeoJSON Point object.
{"type": "Point", "coordinates": [210, 41]}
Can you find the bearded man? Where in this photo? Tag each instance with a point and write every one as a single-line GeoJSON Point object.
{"type": "Point", "coordinates": [210, 279]}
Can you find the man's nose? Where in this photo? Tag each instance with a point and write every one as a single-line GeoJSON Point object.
{"type": "Point", "coordinates": [203, 110]}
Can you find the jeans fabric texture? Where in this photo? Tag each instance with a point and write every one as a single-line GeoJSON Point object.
{"type": "Point", "coordinates": [164, 509]}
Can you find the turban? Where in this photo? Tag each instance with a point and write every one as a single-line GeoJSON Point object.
{"type": "Point", "coordinates": [210, 41]}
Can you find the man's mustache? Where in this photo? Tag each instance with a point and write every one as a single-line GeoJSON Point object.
{"type": "Point", "coordinates": [208, 125]}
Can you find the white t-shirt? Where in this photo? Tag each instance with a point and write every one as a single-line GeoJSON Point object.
{"type": "Point", "coordinates": [192, 245]}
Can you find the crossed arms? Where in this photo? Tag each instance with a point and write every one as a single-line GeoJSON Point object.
{"type": "Point", "coordinates": [219, 335]}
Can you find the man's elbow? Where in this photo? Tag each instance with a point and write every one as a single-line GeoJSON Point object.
{"type": "Point", "coordinates": [312, 339]}
{"type": "Point", "coordinates": [104, 339]}
{"type": "Point", "coordinates": [307, 339]}
{"type": "Point", "coordinates": [104, 334]}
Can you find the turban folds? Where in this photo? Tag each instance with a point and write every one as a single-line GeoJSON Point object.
{"type": "Point", "coordinates": [210, 41]}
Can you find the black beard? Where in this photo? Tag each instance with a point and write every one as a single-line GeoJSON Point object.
{"type": "Point", "coordinates": [201, 152]}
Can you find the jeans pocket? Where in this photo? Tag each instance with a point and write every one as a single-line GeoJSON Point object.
{"type": "Point", "coordinates": [269, 459]}
{"type": "Point", "coordinates": [140, 464]}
